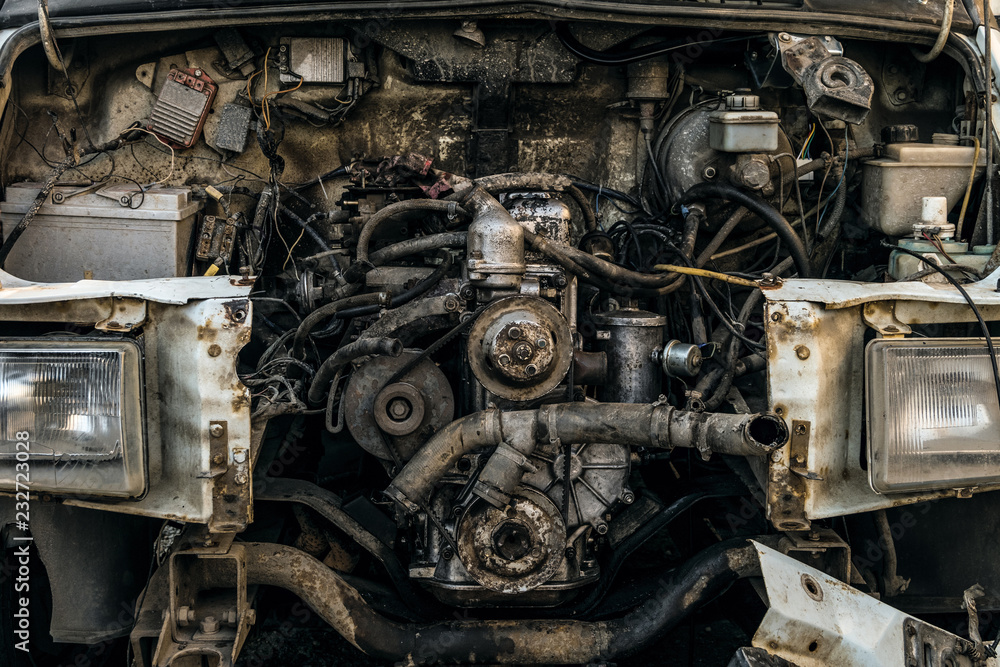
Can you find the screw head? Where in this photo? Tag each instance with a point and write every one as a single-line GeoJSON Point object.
{"type": "Point", "coordinates": [216, 430]}
{"type": "Point", "coordinates": [514, 333]}
{"type": "Point", "coordinates": [530, 370]}
{"type": "Point", "coordinates": [503, 359]}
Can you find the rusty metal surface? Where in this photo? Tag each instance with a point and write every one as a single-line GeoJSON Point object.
{"type": "Point", "coordinates": [423, 391]}
{"type": "Point", "coordinates": [514, 549]}
{"type": "Point", "coordinates": [14, 291]}
{"type": "Point", "coordinates": [192, 386]}
{"type": "Point", "coordinates": [815, 620]}
{"type": "Point", "coordinates": [815, 376]}
{"type": "Point", "coordinates": [518, 348]}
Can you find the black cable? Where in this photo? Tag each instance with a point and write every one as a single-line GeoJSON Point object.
{"type": "Point", "coordinates": [405, 296]}
{"type": "Point", "coordinates": [777, 222]}
{"type": "Point", "coordinates": [612, 58]}
{"type": "Point", "coordinates": [612, 194]}
{"type": "Point", "coordinates": [972, 305]}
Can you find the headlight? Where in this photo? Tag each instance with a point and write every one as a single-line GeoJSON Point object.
{"type": "Point", "coordinates": [933, 418]}
{"type": "Point", "coordinates": [71, 417]}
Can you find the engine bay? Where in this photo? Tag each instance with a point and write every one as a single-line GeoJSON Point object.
{"type": "Point", "coordinates": [508, 275]}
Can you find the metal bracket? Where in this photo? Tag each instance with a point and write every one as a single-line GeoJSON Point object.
{"type": "Point", "coordinates": [835, 86]}
{"type": "Point", "coordinates": [126, 315]}
{"type": "Point", "coordinates": [232, 502]}
{"type": "Point", "coordinates": [209, 613]}
{"type": "Point", "coordinates": [821, 548]}
{"type": "Point", "coordinates": [799, 450]}
{"type": "Point", "coordinates": [881, 316]}
{"type": "Point", "coordinates": [786, 481]}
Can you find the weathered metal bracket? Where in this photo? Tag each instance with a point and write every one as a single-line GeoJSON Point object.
{"type": "Point", "coordinates": [232, 502]}
{"type": "Point", "coordinates": [835, 86]}
{"type": "Point", "coordinates": [814, 619]}
{"type": "Point", "coordinates": [821, 548]}
{"type": "Point", "coordinates": [881, 316]}
{"type": "Point", "coordinates": [786, 488]}
{"type": "Point", "coordinates": [126, 315]}
{"type": "Point", "coordinates": [209, 613]}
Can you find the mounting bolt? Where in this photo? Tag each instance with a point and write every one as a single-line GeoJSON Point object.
{"type": "Point", "coordinates": [240, 478]}
{"type": "Point", "coordinates": [559, 280]}
{"type": "Point", "coordinates": [503, 359]}
{"type": "Point", "coordinates": [514, 333]}
{"type": "Point", "coordinates": [210, 625]}
{"type": "Point", "coordinates": [541, 343]}
{"type": "Point", "coordinates": [784, 37]}
{"type": "Point", "coordinates": [216, 430]}
{"type": "Point", "coordinates": [602, 529]}
{"type": "Point", "coordinates": [628, 497]}
{"type": "Point", "coordinates": [185, 615]}
{"type": "Point", "coordinates": [800, 429]}
{"type": "Point", "coordinates": [530, 370]}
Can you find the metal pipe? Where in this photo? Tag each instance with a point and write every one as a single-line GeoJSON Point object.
{"type": "Point", "coordinates": [499, 641]}
{"type": "Point", "coordinates": [636, 425]}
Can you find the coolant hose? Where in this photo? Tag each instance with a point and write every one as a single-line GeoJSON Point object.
{"type": "Point", "coordinates": [406, 206]}
{"type": "Point", "coordinates": [418, 245]}
{"type": "Point", "coordinates": [345, 355]}
{"type": "Point", "coordinates": [633, 424]}
{"type": "Point", "coordinates": [407, 295]}
{"type": "Point", "coordinates": [329, 310]}
{"type": "Point", "coordinates": [524, 642]}
{"type": "Point", "coordinates": [777, 222]}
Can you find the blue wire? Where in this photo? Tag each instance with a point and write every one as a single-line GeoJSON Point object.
{"type": "Point", "coordinates": [847, 152]}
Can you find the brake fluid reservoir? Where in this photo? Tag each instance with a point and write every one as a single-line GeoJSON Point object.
{"type": "Point", "coordinates": [742, 127]}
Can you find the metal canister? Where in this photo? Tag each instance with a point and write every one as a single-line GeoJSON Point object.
{"type": "Point", "coordinates": [631, 339]}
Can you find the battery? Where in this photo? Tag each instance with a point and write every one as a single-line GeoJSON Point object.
{"type": "Point", "coordinates": [115, 233]}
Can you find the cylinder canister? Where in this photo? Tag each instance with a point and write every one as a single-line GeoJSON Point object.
{"type": "Point", "coordinates": [632, 337]}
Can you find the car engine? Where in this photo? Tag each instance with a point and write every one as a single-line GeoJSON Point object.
{"type": "Point", "coordinates": [519, 293]}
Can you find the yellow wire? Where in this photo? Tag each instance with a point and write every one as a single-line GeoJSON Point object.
{"type": "Point", "coordinates": [704, 273]}
{"type": "Point", "coordinates": [805, 144]}
{"type": "Point", "coordinates": [968, 191]}
{"type": "Point", "coordinates": [289, 258]}
{"type": "Point", "coordinates": [172, 152]}
{"type": "Point", "coordinates": [267, 115]}
{"type": "Point", "coordinates": [263, 107]}
{"type": "Point", "coordinates": [250, 86]}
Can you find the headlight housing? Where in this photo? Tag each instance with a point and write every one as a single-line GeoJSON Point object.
{"type": "Point", "coordinates": [933, 417]}
{"type": "Point", "coordinates": [78, 406]}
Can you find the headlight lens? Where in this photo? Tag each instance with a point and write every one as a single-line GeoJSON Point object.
{"type": "Point", "coordinates": [933, 418]}
{"type": "Point", "coordinates": [77, 405]}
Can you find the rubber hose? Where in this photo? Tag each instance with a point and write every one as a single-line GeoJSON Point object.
{"type": "Point", "coordinates": [777, 222]}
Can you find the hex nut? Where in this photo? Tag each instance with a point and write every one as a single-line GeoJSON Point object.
{"type": "Point", "coordinates": [210, 625]}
